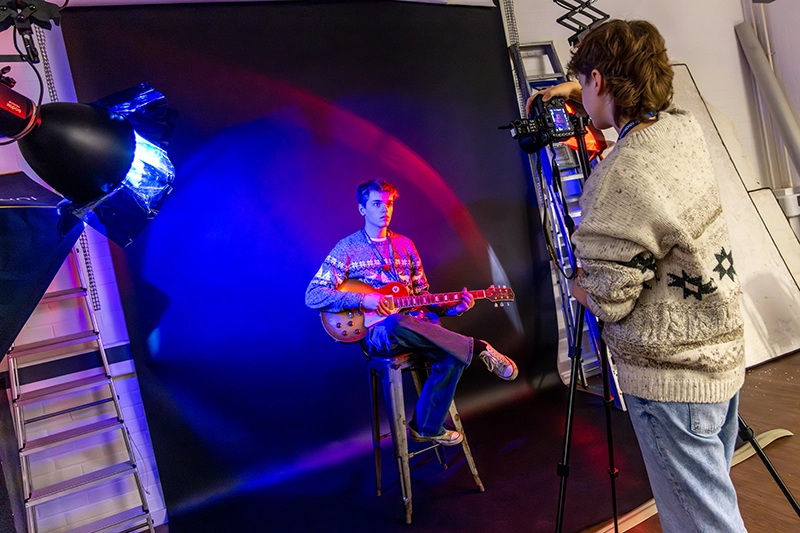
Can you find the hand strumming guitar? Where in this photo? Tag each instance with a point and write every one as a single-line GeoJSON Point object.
{"type": "Point", "coordinates": [377, 302]}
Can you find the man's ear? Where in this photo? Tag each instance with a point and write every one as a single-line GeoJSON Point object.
{"type": "Point", "coordinates": [362, 210]}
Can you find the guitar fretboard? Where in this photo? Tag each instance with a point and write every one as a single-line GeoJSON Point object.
{"type": "Point", "coordinates": [403, 302]}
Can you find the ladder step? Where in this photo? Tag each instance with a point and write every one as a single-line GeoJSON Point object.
{"type": "Point", "coordinates": [57, 439]}
{"type": "Point", "coordinates": [50, 344]}
{"type": "Point", "coordinates": [544, 77]}
{"type": "Point", "coordinates": [68, 486]}
{"type": "Point", "coordinates": [56, 390]}
{"type": "Point", "coordinates": [119, 519]}
{"type": "Point", "coordinates": [66, 294]}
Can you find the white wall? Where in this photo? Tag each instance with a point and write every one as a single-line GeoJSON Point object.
{"type": "Point", "coordinates": [699, 34]}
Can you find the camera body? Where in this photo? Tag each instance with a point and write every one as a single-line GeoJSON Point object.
{"type": "Point", "coordinates": [549, 122]}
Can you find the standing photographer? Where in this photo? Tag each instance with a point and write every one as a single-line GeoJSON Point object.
{"type": "Point", "coordinates": [657, 268]}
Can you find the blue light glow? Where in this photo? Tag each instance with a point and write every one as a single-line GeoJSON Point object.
{"type": "Point", "coordinates": [151, 174]}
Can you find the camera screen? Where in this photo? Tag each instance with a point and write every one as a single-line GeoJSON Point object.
{"type": "Point", "coordinates": [560, 119]}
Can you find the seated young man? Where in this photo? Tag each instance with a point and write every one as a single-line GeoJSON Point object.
{"type": "Point", "coordinates": [376, 256]}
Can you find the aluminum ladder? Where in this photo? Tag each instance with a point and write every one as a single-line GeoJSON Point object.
{"type": "Point", "coordinates": [55, 415]}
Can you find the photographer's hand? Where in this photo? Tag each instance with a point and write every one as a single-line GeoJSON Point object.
{"type": "Point", "coordinates": [578, 293]}
{"type": "Point", "coordinates": [569, 90]}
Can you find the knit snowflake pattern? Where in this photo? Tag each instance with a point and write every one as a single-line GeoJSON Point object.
{"type": "Point", "coordinates": [722, 258]}
{"type": "Point", "coordinates": [642, 262]}
{"type": "Point", "coordinates": [692, 285]}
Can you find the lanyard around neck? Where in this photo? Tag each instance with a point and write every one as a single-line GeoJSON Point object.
{"type": "Point", "coordinates": [385, 267]}
{"type": "Point", "coordinates": [626, 129]}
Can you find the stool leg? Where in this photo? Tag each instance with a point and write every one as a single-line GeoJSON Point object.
{"type": "Point", "coordinates": [376, 427]}
{"type": "Point", "coordinates": [417, 374]}
{"type": "Point", "coordinates": [465, 445]}
{"type": "Point", "coordinates": [393, 390]}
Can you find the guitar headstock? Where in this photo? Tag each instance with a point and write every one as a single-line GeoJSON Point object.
{"type": "Point", "coordinates": [499, 295]}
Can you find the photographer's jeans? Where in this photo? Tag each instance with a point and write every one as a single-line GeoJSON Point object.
{"type": "Point", "coordinates": [449, 353]}
{"type": "Point", "coordinates": [687, 449]}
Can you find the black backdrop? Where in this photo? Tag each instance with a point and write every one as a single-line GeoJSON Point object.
{"type": "Point", "coordinates": [285, 107]}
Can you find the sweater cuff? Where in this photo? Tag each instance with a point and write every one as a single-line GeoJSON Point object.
{"type": "Point", "coordinates": [451, 311]}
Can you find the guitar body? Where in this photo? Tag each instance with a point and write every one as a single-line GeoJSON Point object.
{"type": "Point", "coordinates": [351, 325]}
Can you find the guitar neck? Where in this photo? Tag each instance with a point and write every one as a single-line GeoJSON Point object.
{"type": "Point", "coordinates": [404, 302]}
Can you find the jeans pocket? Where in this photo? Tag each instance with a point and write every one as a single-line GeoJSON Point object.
{"type": "Point", "coordinates": [707, 418]}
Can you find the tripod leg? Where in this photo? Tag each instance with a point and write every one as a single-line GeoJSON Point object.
{"type": "Point", "coordinates": [563, 468]}
{"type": "Point", "coordinates": [747, 434]}
{"type": "Point", "coordinates": [608, 401]}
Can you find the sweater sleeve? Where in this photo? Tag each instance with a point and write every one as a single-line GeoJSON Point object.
{"type": "Point", "coordinates": [626, 228]}
{"type": "Point", "coordinates": [321, 292]}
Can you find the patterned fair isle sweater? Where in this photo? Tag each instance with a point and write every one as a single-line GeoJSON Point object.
{"type": "Point", "coordinates": [355, 258]}
{"type": "Point", "coordinates": [658, 265]}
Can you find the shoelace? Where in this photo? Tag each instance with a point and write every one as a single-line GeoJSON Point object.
{"type": "Point", "coordinates": [492, 361]}
{"type": "Point", "coordinates": [488, 361]}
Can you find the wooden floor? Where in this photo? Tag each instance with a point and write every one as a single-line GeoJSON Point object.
{"type": "Point", "coordinates": [769, 400]}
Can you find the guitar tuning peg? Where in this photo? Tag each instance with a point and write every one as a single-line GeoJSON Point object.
{"type": "Point", "coordinates": [497, 305]}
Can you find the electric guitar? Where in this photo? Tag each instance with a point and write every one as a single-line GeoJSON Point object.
{"type": "Point", "coordinates": [351, 325]}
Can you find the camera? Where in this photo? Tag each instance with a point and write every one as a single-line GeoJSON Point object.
{"type": "Point", "coordinates": [549, 122]}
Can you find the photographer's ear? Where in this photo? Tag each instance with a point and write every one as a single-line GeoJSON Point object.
{"type": "Point", "coordinates": [596, 82]}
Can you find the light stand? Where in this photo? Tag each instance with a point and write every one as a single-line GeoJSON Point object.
{"type": "Point", "coordinates": [22, 15]}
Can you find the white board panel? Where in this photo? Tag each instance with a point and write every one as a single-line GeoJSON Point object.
{"type": "Point", "coordinates": [770, 295]}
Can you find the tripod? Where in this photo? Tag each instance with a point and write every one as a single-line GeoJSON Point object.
{"type": "Point", "coordinates": [563, 468]}
{"type": "Point", "coordinates": [747, 434]}
{"type": "Point", "coordinates": [576, 366]}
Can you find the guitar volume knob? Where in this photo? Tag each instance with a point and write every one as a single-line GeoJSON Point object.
{"type": "Point", "coordinates": [350, 323]}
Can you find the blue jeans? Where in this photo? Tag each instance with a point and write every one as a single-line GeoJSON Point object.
{"type": "Point", "coordinates": [449, 353]}
{"type": "Point", "coordinates": [687, 449]}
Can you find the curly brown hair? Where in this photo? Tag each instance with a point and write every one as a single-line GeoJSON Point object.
{"type": "Point", "coordinates": [632, 57]}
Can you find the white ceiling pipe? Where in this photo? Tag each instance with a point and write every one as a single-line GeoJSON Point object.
{"type": "Point", "coordinates": [782, 113]}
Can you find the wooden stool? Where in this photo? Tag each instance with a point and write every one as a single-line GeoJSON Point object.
{"type": "Point", "coordinates": [388, 371]}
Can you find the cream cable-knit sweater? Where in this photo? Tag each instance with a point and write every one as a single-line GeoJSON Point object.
{"type": "Point", "coordinates": [658, 265]}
